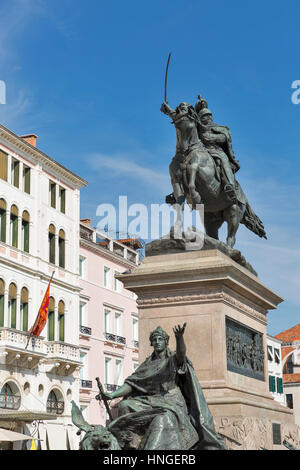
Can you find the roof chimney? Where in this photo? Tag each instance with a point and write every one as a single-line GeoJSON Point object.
{"type": "Point", "coordinates": [30, 138]}
{"type": "Point", "coordinates": [86, 221]}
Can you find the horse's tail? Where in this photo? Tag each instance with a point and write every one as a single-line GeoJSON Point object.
{"type": "Point", "coordinates": [253, 222]}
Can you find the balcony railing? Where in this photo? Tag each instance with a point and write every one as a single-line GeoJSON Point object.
{"type": "Point", "coordinates": [9, 402]}
{"type": "Point", "coordinates": [135, 344]}
{"type": "Point", "coordinates": [111, 387]}
{"type": "Point", "coordinates": [15, 338]}
{"type": "Point", "coordinates": [115, 338]}
{"type": "Point", "coordinates": [85, 330]}
{"type": "Point", "coordinates": [56, 407]}
{"type": "Point", "coordinates": [63, 351]}
{"type": "Point", "coordinates": [86, 383]}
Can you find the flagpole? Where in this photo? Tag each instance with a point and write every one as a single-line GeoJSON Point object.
{"type": "Point", "coordinates": [31, 335]}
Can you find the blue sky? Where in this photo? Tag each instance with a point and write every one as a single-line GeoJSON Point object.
{"type": "Point", "coordinates": [88, 79]}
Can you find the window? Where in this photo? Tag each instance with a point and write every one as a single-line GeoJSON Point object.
{"type": "Point", "coordinates": [82, 313]}
{"type": "Point", "coordinates": [12, 305]}
{"type": "Point", "coordinates": [82, 266]}
{"type": "Point", "coordinates": [3, 165]}
{"type": "Point", "coordinates": [2, 290]}
{"type": "Point", "coordinates": [107, 319]}
{"type": "Point", "coordinates": [54, 405]}
{"type": "Point", "coordinates": [289, 401]}
{"type": "Point", "coordinates": [135, 365]}
{"type": "Point", "coordinates": [10, 397]}
{"type": "Point", "coordinates": [118, 324]}
{"type": "Point", "coordinates": [61, 248]}
{"type": "Point", "coordinates": [62, 200]}
{"type": "Point", "coordinates": [2, 220]}
{"type": "Point", "coordinates": [25, 231]}
{"type": "Point", "coordinates": [52, 194]}
{"type": "Point", "coordinates": [84, 368]}
{"type": "Point", "coordinates": [289, 366]}
{"type": "Point", "coordinates": [135, 332]}
{"type": "Point", "coordinates": [61, 320]}
{"type": "Point", "coordinates": [277, 355]}
{"type": "Point", "coordinates": [51, 240]}
{"type": "Point", "coordinates": [279, 385]}
{"type": "Point", "coordinates": [15, 172]}
{"type": "Point", "coordinates": [51, 322]}
{"type": "Point", "coordinates": [118, 372]}
{"type": "Point", "coordinates": [276, 433]}
{"type": "Point", "coordinates": [14, 226]}
{"type": "Point", "coordinates": [26, 179]}
{"type": "Point", "coordinates": [117, 283]}
{"type": "Point", "coordinates": [24, 310]}
{"type": "Point", "coordinates": [270, 354]}
{"type": "Point", "coordinates": [272, 386]}
{"type": "Point", "coordinates": [106, 277]}
{"type": "Point", "coordinates": [107, 371]}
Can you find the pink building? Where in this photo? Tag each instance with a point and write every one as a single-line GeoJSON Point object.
{"type": "Point", "coordinates": [108, 317]}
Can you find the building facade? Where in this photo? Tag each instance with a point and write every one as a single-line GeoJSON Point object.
{"type": "Point", "coordinates": [108, 317]}
{"type": "Point", "coordinates": [275, 369]}
{"type": "Point", "coordinates": [39, 235]}
{"type": "Point", "coordinates": [290, 349]}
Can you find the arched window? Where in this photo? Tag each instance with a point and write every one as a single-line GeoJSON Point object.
{"type": "Point", "coordinates": [25, 231]}
{"type": "Point", "coordinates": [14, 212]}
{"type": "Point", "coordinates": [51, 244]}
{"type": "Point", "coordinates": [2, 289]}
{"type": "Point", "coordinates": [61, 320]}
{"type": "Point", "coordinates": [61, 248]}
{"type": "Point", "coordinates": [51, 323]}
{"type": "Point", "coordinates": [55, 403]}
{"type": "Point", "coordinates": [24, 309]}
{"type": "Point", "coordinates": [10, 397]}
{"type": "Point", "coordinates": [3, 220]}
{"type": "Point", "coordinates": [12, 305]}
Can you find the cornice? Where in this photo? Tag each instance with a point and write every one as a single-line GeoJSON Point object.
{"type": "Point", "coordinates": [106, 253]}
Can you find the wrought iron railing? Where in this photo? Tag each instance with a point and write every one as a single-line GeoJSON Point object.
{"type": "Point", "coordinates": [86, 383]}
{"type": "Point", "coordinates": [10, 402]}
{"type": "Point", "coordinates": [111, 387]}
{"type": "Point", "coordinates": [135, 343]}
{"type": "Point", "coordinates": [85, 330]}
{"type": "Point", "coordinates": [56, 407]}
{"type": "Point", "coordinates": [115, 338]}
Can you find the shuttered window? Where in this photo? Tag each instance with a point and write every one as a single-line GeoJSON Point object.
{"type": "Point", "coordinates": [14, 226]}
{"type": "Point", "coordinates": [52, 191]}
{"type": "Point", "coordinates": [2, 288]}
{"type": "Point", "coordinates": [12, 305]}
{"type": "Point", "coordinates": [272, 383]}
{"type": "Point", "coordinates": [61, 320]}
{"type": "Point", "coordinates": [3, 165]}
{"type": "Point", "coordinates": [61, 248]}
{"type": "Point", "coordinates": [52, 244]}
{"type": "Point", "coordinates": [51, 331]}
{"type": "Point", "coordinates": [279, 385]}
{"type": "Point", "coordinates": [24, 309]}
{"type": "Point", "coordinates": [25, 231]}
{"type": "Point", "coordinates": [62, 197]}
{"type": "Point", "coordinates": [26, 179]}
{"type": "Point", "coordinates": [15, 172]}
{"type": "Point", "coordinates": [2, 220]}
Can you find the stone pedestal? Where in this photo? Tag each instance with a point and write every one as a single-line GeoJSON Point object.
{"type": "Point", "coordinates": [210, 292]}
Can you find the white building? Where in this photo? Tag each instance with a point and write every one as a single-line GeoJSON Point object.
{"type": "Point", "coordinates": [275, 369]}
{"type": "Point", "coordinates": [39, 234]}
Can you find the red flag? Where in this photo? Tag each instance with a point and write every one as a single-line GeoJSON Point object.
{"type": "Point", "coordinates": [41, 318]}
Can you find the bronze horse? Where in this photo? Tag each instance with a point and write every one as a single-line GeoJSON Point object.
{"type": "Point", "coordinates": [194, 179]}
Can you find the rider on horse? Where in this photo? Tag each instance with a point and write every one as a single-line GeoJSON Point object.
{"type": "Point", "coordinates": [217, 141]}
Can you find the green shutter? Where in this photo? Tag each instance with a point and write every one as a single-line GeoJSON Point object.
{"type": "Point", "coordinates": [53, 194]}
{"type": "Point", "coordinates": [3, 225]}
{"type": "Point", "coordinates": [26, 176]}
{"type": "Point", "coordinates": [51, 326]}
{"type": "Point", "coordinates": [16, 169]}
{"type": "Point", "coordinates": [63, 200]}
{"type": "Point", "coordinates": [14, 219]}
{"type": "Point", "coordinates": [13, 313]}
{"type": "Point", "coordinates": [25, 316]}
{"type": "Point", "coordinates": [26, 235]}
{"type": "Point", "coordinates": [279, 385]}
{"type": "Point", "coordinates": [61, 253]}
{"type": "Point", "coordinates": [1, 310]}
{"type": "Point", "coordinates": [61, 320]}
{"type": "Point", "coordinates": [272, 383]}
{"type": "Point", "coordinates": [51, 248]}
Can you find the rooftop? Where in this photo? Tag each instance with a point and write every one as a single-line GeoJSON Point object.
{"type": "Point", "coordinates": [290, 335]}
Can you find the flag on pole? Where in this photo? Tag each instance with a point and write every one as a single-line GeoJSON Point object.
{"type": "Point", "coordinates": [41, 318]}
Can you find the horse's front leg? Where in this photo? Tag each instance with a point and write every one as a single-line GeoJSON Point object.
{"type": "Point", "coordinates": [195, 196]}
{"type": "Point", "coordinates": [233, 216]}
{"type": "Point", "coordinates": [179, 207]}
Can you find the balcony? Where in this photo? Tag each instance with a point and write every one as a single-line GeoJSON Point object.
{"type": "Point", "coordinates": [12, 348]}
{"type": "Point", "coordinates": [111, 387]}
{"type": "Point", "coordinates": [85, 330]}
{"type": "Point", "coordinates": [115, 338]}
{"type": "Point", "coordinates": [9, 402]}
{"type": "Point", "coordinates": [62, 358]}
{"type": "Point", "coordinates": [56, 407]}
{"type": "Point", "coordinates": [86, 383]}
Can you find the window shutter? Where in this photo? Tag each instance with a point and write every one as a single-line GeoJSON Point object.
{"type": "Point", "coordinates": [3, 165]}
{"type": "Point", "coordinates": [272, 383]}
{"type": "Point", "coordinates": [279, 385]}
{"type": "Point", "coordinates": [2, 223]}
{"type": "Point", "coordinates": [26, 176]}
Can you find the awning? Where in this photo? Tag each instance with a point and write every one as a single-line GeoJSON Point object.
{"type": "Point", "coordinates": [6, 435]}
{"type": "Point", "coordinates": [57, 436]}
